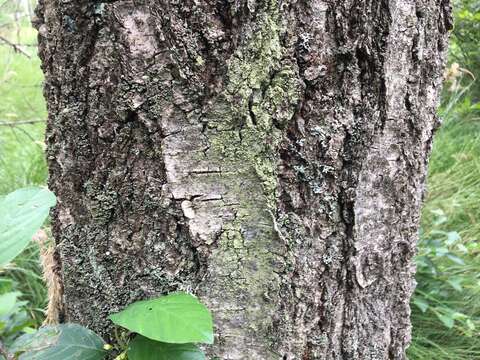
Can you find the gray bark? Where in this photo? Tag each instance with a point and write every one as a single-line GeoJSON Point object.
{"type": "Point", "coordinates": [269, 156]}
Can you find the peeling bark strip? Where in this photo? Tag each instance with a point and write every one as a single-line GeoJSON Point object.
{"type": "Point", "coordinates": [269, 156]}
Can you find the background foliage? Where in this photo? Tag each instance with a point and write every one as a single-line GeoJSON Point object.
{"type": "Point", "coordinates": [446, 305]}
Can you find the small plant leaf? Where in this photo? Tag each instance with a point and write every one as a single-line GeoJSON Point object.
{"type": "Point", "coordinates": [462, 248]}
{"type": "Point", "coordinates": [176, 318]}
{"type": "Point", "coordinates": [22, 213]}
{"type": "Point", "coordinates": [441, 251]}
{"type": "Point", "coordinates": [456, 283]}
{"type": "Point", "coordinates": [421, 304]}
{"type": "Point", "coordinates": [40, 339]}
{"type": "Point", "coordinates": [455, 259]}
{"type": "Point", "coordinates": [447, 320]}
{"type": "Point", "coordinates": [61, 342]}
{"type": "Point", "coordinates": [7, 302]}
{"type": "Point", "coordinates": [470, 324]}
{"type": "Point", "coordinates": [452, 237]}
{"type": "Point", "coordinates": [142, 348]}
{"type": "Point", "coordinates": [440, 216]}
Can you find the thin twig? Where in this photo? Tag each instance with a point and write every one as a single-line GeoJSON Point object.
{"type": "Point", "coordinates": [14, 129]}
{"type": "Point", "coordinates": [12, 22]}
{"type": "Point", "coordinates": [15, 47]}
{"type": "Point", "coordinates": [23, 122]}
{"type": "Point", "coordinates": [25, 45]}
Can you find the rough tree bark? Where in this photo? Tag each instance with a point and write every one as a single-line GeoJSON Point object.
{"type": "Point", "coordinates": [266, 155]}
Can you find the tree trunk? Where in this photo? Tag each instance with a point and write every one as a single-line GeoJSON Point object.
{"type": "Point", "coordinates": [267, 155]}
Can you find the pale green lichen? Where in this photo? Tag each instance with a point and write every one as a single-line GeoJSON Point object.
{"type": "Point", "coordinates": [244, 129]}
{"type": "Point", "coordinates": [262, 92]}
{"type": "Point", "coordinates": [103, 201]}
{"type": "Point", "coordinates": [199, 60]}
{"type": "Point", "coordinates": [251, 65]}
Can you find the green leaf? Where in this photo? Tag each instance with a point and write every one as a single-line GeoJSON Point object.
{"type": "Point", "coordinates": [470, 324]}
{"type": "Point", "coordinates": [61, 342]}
{"type": "Point", "coordinates": [455, 259]}
{"type": "Point", "coordinates": [176, 318]}
{"type": "Point", "coordinates": [452, 237]}
{"type": "Point", "coordinates": [441, 251]}
{"type": "Point", "coordinates": [41, 339]}
{"type": "Point", "coordinates": [459, 316]}
{"type": "Point", "coordinates": [447, 320]}
{"type": "Point", "coordinates": [6, 285]}
{"type": "Point", "coordinates": [456, 283]}
{"type": "Point", "coordinates": [142, 348]}
{"type": "Point", "coordinates": [21, 215]}
{"type": "Point", "coordinates": [440, 216]}
{"type": "Point", "coordinates": [7, 302]}
{"type": "Point", "coordinates": [462, 248]}
{"type": "Point", "coordinates": [421, 304]}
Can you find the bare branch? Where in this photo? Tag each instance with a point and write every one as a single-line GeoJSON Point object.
{"type": "Point", "coordinates": [4, 3]}
{"type": "Point", "coordinates": [18, 123]}
{"type": "Point", "coordinates": [10, 23]}
{"type": "Point", "coordinates": [15, 47]}
{"type": "Point", "coordinates": [26, 45]}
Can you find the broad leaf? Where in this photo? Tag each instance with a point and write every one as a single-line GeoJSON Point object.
{"type": "Point", "coordinates": [176, 318]}
{"type": "Point", "coordinates": [21, 215]}
{"type": "Point", "coordinates": [7, 302]}
{"type": "Point", "coordinates": [142, 348]}
{"type": "Point", "coordinates": [43, 338]}
{"type": "Point", "coordinates": [61, 342]}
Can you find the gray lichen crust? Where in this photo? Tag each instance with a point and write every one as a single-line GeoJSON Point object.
{"type": "Point", "coordinates": [266, 155]}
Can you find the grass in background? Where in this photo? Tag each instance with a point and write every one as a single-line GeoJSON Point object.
{"type": "Point", "coordinates": [446, 305]}
{"type": "Point", "coordinates": [22, 161]}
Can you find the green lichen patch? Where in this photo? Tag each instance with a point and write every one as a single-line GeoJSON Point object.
{"type": "Point", "coordinates": [245, 127]}
{"type": "Point", "coordinates": [259, 99]}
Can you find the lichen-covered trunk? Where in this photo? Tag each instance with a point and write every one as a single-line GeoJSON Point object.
{"type": "Point", "coordinates": [268, 156]}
